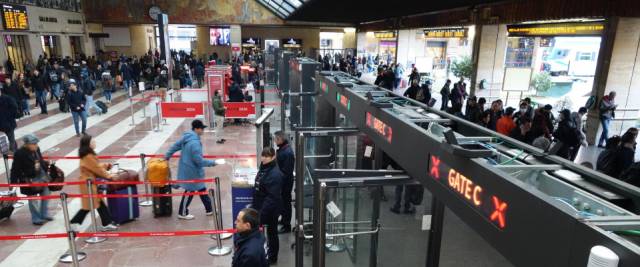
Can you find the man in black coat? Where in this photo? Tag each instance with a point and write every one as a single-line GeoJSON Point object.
{"type": "Point", "coordinates": [248, 241]}
{"type": "Point", "coordinates": [39, 86]}
{"type": "Point", "coordinates": [8, 115]}
{"type": "Point", "coordinates": [267, 199]}
{"type": "Point", "coordinates": [286, 163]}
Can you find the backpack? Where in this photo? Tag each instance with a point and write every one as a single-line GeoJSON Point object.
{"type": "Point", "coordinates": [53, 76]}
{"type": "Point", "coordinates": [420, 95]}
{"type": "Point", "coordinates": [591, 102]}
{"type": "Point", "coordinates": [607, 161]}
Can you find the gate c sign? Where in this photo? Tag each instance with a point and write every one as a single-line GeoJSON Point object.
{"type": "Point", "coordinates": [182, 110]}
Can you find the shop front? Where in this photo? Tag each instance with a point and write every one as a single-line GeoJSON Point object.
{"type": "Point", "coordinates": [251, 45]}
{"type": "Point", "coordinates": [291, 44]}
{"type": "Point", "coordinates": [379, 48]}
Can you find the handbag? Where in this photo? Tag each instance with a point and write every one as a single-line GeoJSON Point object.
{"type": "Point", "coordinates": [57, 176]}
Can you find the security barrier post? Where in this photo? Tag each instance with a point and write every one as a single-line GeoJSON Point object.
{"type": "Point", "coordinates": [217, 207]}
{"type": "Point", "coordinates": [143, 168]}
{"type": "Point", "coordinates": [217, 250]}
{"type": "Point", "coordinates": [95, 239]}
{"type": "Point", "coordinates": [72, 256]}
{"type": "Point", "coordinates": [157, 128]}
{"type": "Point", "coordinates": [144, 105]}
{"type": "Point", "coordinates": [133, 122]}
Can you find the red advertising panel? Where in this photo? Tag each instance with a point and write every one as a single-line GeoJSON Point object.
{"type": "Point", "coordinates": [238, 110]}
{"type": "Point", "coordinates": [215, 82]}
{"type": "Point", "coordinates": [181, 110]}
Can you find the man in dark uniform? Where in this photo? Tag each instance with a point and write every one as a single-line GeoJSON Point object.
{"type": "Point", "coordinates": [248, 241]}
{"type": "Point", "coordinates": [286, 162]}
{"type": "Point", "coordinates": [267, 199]}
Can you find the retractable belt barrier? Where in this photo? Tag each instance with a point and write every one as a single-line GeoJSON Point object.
{"type": "Point", "coordinates": [112, 183]}
{"type": "Point", "coordinates": [74, 257]}
{"type": "Point", "coordinates": [239, 156]}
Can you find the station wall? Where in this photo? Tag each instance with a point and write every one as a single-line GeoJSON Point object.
{"type": "Point", "coordinates": [310, 35]}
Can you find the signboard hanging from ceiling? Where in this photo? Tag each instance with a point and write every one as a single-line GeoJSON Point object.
{"type": "Point", "coordinates": [385, 35]}
{"type": "Point", "coordinates": [556, 29]}
{"type": "Point", "coordinates": [459, 32]}
{"type": "Point", "coordinates": [14, 17]}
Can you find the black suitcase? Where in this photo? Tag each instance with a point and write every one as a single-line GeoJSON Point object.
{"type": "Point", "coordinates": [162, 206]}
{"type": "Point", "coordinates": [62, 105]}
{"type": "Point", "coordinates": [6, 206]}
{"type": "Point", "coordinates": [102, 106]}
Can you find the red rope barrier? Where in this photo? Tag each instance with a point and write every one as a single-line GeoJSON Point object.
{"type": "Point", "coordinates": [229, 156]}
{"type": "Point", "coordinates": [211, 180]}
{"type": "Point", "coordinates": [38, 236]}
{"type": "Point", "coordinates": [155, 234]}
{"type": "Point", "coordinates": [50, 197]}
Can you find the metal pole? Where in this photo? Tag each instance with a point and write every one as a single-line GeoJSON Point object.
{"type": "Point", "coordinates": [72, 256]}
{"type": "Point", "coordinates": [143, 168]}
{"type": "Point", "coordinates": [320, 225]}
{"type": "Point", "coordinates": [373, 250]}
{"type": "Point", "coordinates": [157, 128]}
{"type": "Point", "coordinates": [144, 106]}
{"type": "Point", "coordinates": [435, 233]}
{"type": "Point", "coordinates": [217, 250]}
{"type": "Point", "coordinates": [5, 157]}
{"type": "Point", "coordinates": [282, 112]}
{"type": "Point", "coordinates": [300, 139]}
{"type": "Point", "coordinates": [133, 122]}
{"type": "Point", "coordinates": [95, 239]}
{"type": "Point", "coordinates": [219, 209]}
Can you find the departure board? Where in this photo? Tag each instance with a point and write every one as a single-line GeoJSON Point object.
{"type": "Point", "coordinates": [14, 17]}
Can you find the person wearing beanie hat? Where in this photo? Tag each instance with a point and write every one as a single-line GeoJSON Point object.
{"type": "Point", "coordinates": [77, 103]}
{"type": "Point", "coordinates": [29, 167]}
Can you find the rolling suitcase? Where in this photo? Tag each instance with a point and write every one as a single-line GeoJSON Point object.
{"type": "Point", "coordinates": [124, 209]}
{"type": "Point", "coordinates": [162, 206]}
{"type": "Point", "coordinates": [102, 106]}
{"type": "Point", "coordinates": [6, 206]}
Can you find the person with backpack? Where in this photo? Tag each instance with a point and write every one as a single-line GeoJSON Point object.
{"type": "Point", "coordinates": [108, 86]}
{"type": "Point", "coordinates": [55, 81]}
{"type": "Point", "coordinates": [607, 113]}
{"type": "Point", "coordinates": [88, 88]}
{"type": "Point", "coordinates": [568, 135]}
{"type": "Point", "coordinates": [445, 92]}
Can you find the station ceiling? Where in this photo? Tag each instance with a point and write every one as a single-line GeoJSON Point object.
{"type": "Point", "coordinates": [360, 11]}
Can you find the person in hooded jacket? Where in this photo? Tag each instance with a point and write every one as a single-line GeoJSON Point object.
{"type": "Point", "coordinates": [248, 241]}
{"type": "Point", "coordinates": [568, 134]}
{"type": "Point", "coordinates": [286, 163]}
{"type": "Point", "coordinates": [267, 199]}
{"type": "Point", "coordinates": [190, 167]}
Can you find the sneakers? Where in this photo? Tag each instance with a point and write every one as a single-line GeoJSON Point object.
{"type": "Point", "coordinates": [221, 141]}
{"type": "Point", "coordinates": [110, 227]}
{"type": "Point", "coordinates": [74, 227]}
{"type": "Point", "coordinates": [209, 213]}
{"type": "Point", "coordinates": [186, 217]}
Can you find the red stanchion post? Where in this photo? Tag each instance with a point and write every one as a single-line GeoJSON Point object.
{"type": "Point", "coordinates": [72, 255]}
{"type": "Point", "coordinates": [95, 239]}
{"type": "Point", "coordinates": [217, 250]}
{"type": "Point", "coordinates": [143, 168]}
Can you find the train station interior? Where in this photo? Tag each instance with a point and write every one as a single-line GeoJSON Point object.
{"type": "Point", "coordinates": [254, 133]}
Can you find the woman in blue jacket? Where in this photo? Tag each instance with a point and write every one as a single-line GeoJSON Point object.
{"type": "Point", "coordinates": [190, 167]}
{"type": "Point", "coordinates": [267, 199]}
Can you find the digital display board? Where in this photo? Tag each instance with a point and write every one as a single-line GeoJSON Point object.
{"type": "Point", "coordinates": [385, 35]}
{"type": "Point", "coordinates": [556, 29]}
{"type": "Point", "coordinates": [14, 17]}
{"type": "Point", "coordinates": [380, 127]}
{"type": "Point", "coordinates": [480, 198]}
{"type": "Point", "coordinates": [220, 36]}
{"type": "Point", "coordinates": [343, 100]}
{"type": "Point", "coordinates": [446, 33]}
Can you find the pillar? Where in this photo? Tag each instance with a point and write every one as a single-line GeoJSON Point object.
{"type": "Point", "coordinates": [491, 56]}
{"type": "Point", "coordinates": [65, 45]}
{"type": "Point", "coordinates": [35, 47]}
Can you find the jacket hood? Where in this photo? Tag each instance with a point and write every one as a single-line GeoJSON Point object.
{"type": "Point", "coordinates": [190, 136]}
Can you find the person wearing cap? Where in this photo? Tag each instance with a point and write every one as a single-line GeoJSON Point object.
{"type": "Point", "coordinates": [191, 166]}
{"type": "Point", "coordinates": [29, 167]}
{"type": "Point", "coordinates": [77, 102]}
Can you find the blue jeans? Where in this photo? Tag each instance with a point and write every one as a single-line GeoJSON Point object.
{"type": "Point", "coordinates": [605, 130]}
{"type": "Point", "coordinates": [107, 93]}
{"type": "Point", "coordinates": [91, 104]}
{"type": "Point", "coordinates": [39, 213]}
{"type": "Point", "coordinates": [126, 84]}
{"type": "Point", "coordinates": [41, 100]}
{"type": "Point", "coordinates": [25, 106]}
{"type": "Point", "coordinates": [55, 90]}
{"type": "Point", "coordinates": [79, 115]}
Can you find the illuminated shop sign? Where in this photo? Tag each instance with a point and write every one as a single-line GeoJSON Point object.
{"type": "Point", "coordinates": [343, 100]}
{"type": "Point", "coordinates": [15, 17]}
{"type": "Point", "coordinates": [446, 33]}
{"type": "Point", "coordinates": [251, 42]}
{"type": "Point", "coordinates": [385, 35]}
{"type": "Point", "coordinates": [380, 127]}
{"type": "Point", "coordinates": [489, 205]}
{"type": "Point", "coordinates": [292, 42]}
{"type": "Point", "coordinates": [556, 29]}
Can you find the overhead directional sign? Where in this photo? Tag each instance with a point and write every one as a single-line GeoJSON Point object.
{"type": "Point", "coordinates": [556, 29]}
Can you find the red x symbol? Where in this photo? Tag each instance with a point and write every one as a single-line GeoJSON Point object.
{"type": "Point", "coordinates": [499, 212]}
{"type": "Point", "coordinates": [435, 171]}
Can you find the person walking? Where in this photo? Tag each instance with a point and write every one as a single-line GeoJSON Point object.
{"type": "Point", "coordinates": [219, 111]}
{"type": "Point", "coordinates": [248, 241]}
{"type": "Point", "coordinates": [77, 102]}
{"type": "Point", "coordinates": [88, 88]}
{"type": "Point", "coordinates": [190, 167]}
{"type": "Point", "coordinates": [10, 88]}
{"type": "Point", "coordinates": [199, 73]}
{"type": "Point", "coordinates": [607, 113]}
{"type": "Point", "coordinates": [29, 167]}
{"type": "Point", "coordinates": [286, 162]}
{"type": "Point", "coordinates": [8, 115]}
{"type": "Point", "coordinates": [267, 199]}
{"type": "Point", "coordinates": [55, 81]}
{"type": "Point", "coordinates": [445, 92]}
{"type": "Point", "coordinates": [90, 169]}
{"type": "Point", "coordinates": [39, 86]}
{"type": "Point", "coordinates": [24, 94]}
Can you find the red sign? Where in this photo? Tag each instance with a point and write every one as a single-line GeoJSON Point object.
{"type": "Point", "coordinates": [239, 109]}
{"type": "Point", "coordinates": [181, 110]}
{"type": "Point", "coordinates": [489, 205]}
{"type": "Point", "coordinates": [215, 83]}
{"type": "Point", "coordinates": [380, 127]}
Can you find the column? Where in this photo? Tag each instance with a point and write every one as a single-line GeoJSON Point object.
{"type": "Point", "coordinates": [65, 45]}
{"type": "Point", "coordinates": [491, 56]}
{"type": "Point", "coordinates": [35, 46]}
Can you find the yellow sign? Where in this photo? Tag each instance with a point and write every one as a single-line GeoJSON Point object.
{"type": "Point", "coordinates": [557, 29]}
{"type": "Point", "coordinates": [446, 33]}
{"type": "Point", "coordinates": [385, 35]}
{"type": "Point", "coordinates": [14, 17]}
